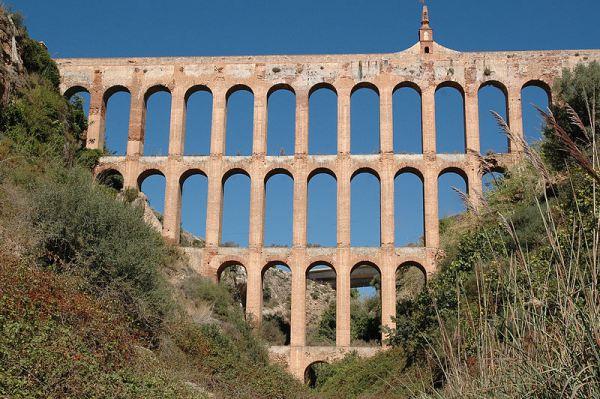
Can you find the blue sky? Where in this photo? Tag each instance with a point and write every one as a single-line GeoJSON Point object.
{"type": "Point", "coordinates": [237, 27]}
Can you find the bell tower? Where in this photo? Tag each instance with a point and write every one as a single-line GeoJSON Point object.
{"type": "Point", "coordinates": [426, 33]}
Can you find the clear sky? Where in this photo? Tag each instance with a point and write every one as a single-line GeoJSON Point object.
{"type": "Point", "coordinates": [240, 27]}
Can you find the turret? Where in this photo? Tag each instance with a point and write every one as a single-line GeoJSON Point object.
{"type": "Point", "coordinates": [426, 33]}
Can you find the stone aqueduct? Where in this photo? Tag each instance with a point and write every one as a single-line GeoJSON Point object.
{"type": "Point", "coordinates": [426, 67]}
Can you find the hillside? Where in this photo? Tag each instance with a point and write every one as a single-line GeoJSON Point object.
{"type": "Point", "coordinates": [86, 304]}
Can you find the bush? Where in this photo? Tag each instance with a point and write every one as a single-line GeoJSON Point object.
{"type": "Point", "coordinates": [84, 231]}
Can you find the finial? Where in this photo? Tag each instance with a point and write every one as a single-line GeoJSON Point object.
{"type": "Point", "coordinates": [425, 16]}
{"type": "Point", "coordinates": [425, 32]}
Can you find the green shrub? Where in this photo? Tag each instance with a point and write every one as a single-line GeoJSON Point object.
{"type": "Point", "coordinates": [83, 230]}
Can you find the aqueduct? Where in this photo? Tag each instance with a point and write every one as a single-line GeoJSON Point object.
{"type": "Point", "coordinates": [426, 67]}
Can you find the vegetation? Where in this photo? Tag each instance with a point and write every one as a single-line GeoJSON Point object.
{"type": "Point", "coordinates": [89, 306]}
{"type": "Point", "coordinates": [514, 309]}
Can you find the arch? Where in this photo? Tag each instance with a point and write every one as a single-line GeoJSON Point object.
{"type": "Point", "coordinates": [491, 179]}
{"type": "Point", "coordinates": [534, 93]}
{"type": "Point", "coordinates": [365, 304]}
{"type": "Point", "coordinates": [198, 120]}
{"type": "Point", "coordinates": [365, 170]}
{"type": "Point", "coordinates": [193, 184]}
{"type": "Point", "coordinates": [320, 304]}
{"type": "Point", "coordinates": [281, 120]}
{"type": "Point", "coordinates": [71, 91]}
{"type": "Point", "coordinates": [492, 96]}
{"type": "Point", "coordinates": [310, 373]}
{"type": "Point", "coordinates": [235, 216]}
{"type": "Point", "coordinates": [157, 102]}
{"type": "Point", "coordinates": [111, 178]}
{"type": "Point", "coordinates": [147, 173]}
{"type": "Point", "coordinates": [452, 186]}
{"type": "Point", "coordinates": [117, 103]}
{"type": "Point", "coordinates": [322, 208]}
{"type": "Point", "coordinates": [278, 171]}
{"type": "Point", "coordinates": [279, 208]}
{"type": "Point", "coordinates": [234, 276]}
{"type": "Point", "coordinates": [79, 95]}
{"type": "Point", "coordinates": [542, 85]}
{"type": "Point", "coordinates": [240, 120]}
{"type": "Point", "coordinates": [364, 119]}
{"type": "Point", "coordinates": [409, 208]}
{"type": "Point", "coordinates": [276, 281]}
{"type": "Point", "coordinates": [152, 183]}
{"type": "Point", "coordinates": [407, 120]}
{"type": "Point", "coordinates": [411, 279]}
{"type": "Point", "coordinates": [365, 208]}
{"type": "Point", "coordinates": [317, 171]}
{"type": "Point", "coordinates": [322, 114]}
{"type": "Point", "coordinates": [450, 118]}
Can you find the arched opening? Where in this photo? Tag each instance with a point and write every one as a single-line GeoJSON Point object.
{"type": "Point", "coordinates": [492, 96]}
{"type": "Point", "coordinates": [322, 124]}
{"type": "Point", "coordinates": [279, 209]}
{"type": "Point", "coordinates": [79, 97]}
{"type": "Point", "coordinates": [320, 304]}
{"type": "Point", "coordinates": [158, 121]}
{"type": "Point", "coordinates": [152, 184]}
{"type": "Point", "coordinates": [322, 209]}
{"type": "Point", "coordinates": [452, 188]}
{"type": "Point", "coordinates": [240, 121]}
{"type": "Point", "coordinates": [111, 178]}
{"type": "Point", "coordinates": [365, 208]}
{"type": "Point", "coordinates": [365, 305]}
{"type": "Point", "coordinates": [281, 124]}
{"type": "Point", "coordinates": [534, 94]}
{"type": "Point", "coordinates": [409, 214]}
{"type": "Point", "coordinates": [410, 281]}
{"type": "Point", "coordinates": [236, 209]}
{"type": "Point", "coordinates": [277, 308]}
{"type": "Point", "coordinates": [311, 373]}
{"type": "Point", "coordinates": [194, 189]}
{"type": "Point", "coordinates": [491, 179]}
{"type": "Point", "coordinates": [233, 276]}
{"type": "Point", "coordinates": [450, 119]}
{"type": "Point", "coordinates": [198, 120]}
{"type": "Point", "coordinates": [117, 101]}
{"type": "Point", "coordinates": [406, 104]}
{"type": "Point", "coordinates": [364, 119]}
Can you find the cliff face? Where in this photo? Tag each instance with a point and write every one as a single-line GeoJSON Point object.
{"type": "Point", "coordinates": [12, 72]}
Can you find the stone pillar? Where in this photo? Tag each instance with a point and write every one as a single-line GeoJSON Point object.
{"type": "Point", "coordinates": [219, 119]}
{"type": "Point", "coordinates": [472, 120]}
{"type": "Point", "coordinates": [260, 118]}
{"type": "Point", "coordinates": [343, 203]}
{"type": "Point", "coordinates": [257, 210]}
{"type": "Point", "coordinates": [386, 127]}
{"type": "Point", "coordinates": [298, 306]}
{"type": "Point", "coordinates": [254, 290]}
{"type": "Point", "coordinates": [515, 118]}
{"type": "Point", "coordinates": [388, 297]}
{"type": "Point", "coordinates": [172, 214]}
{"type": "Point", "coordinates": [95, 131]}
{"type": "Point", "coordinates": [301, 135]}
{"type": "Point", "coordinates": [432, 233]}
{"type": "Point", "coordinates": [342, 330]}
{"type": "Point", "coordinates": [474, 184]}
{"type": "Point", "coordinates": [387, 208]}
{"type": "Point", "coordinates": [300, 208]}
{"type": "Point", "coordinates": [137, 121]}
{"type": "Point", "coordinates": [214, 206]}
{"type": "Point", "coordinates": [177, 128]}
{"type": "Point", "coordinates": [428, 121]}
{"type": "Point", "coordinates": [343, 120]}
